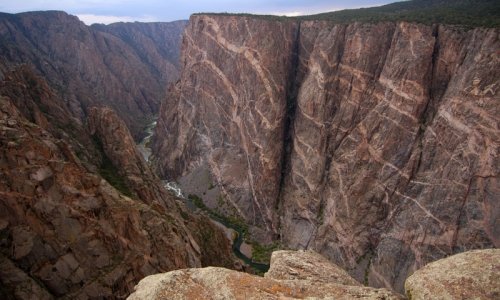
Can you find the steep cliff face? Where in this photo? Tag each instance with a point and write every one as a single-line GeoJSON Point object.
{"type": "Point", "coordinates": [227, 112]}
{"type": "Point", "coordinates": [157, 44]}
{"type": "Point", "coordinates": [395, 153]}
{"type": "Point", "coordinates": [38, 103]}
{"type": "Point", "coordinates": [375, 144]}
{"type": "Point", "coordinates": [119, 65]}
{"type": "Point", "coordinates": [64, 229]}
{"type": "Point", "coordinates": [119, 148]}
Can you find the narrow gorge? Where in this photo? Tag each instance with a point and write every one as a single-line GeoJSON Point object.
{"type": "Point", "coordinates": [374, 144]}
{"type": "Point", "coordinates": [348, 154]}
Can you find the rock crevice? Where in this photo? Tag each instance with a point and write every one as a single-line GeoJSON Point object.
{"type": "Point", "coordinates": [348, 139]}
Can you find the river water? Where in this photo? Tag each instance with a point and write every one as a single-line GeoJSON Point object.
{"type": "Point", "coordinates": [145, 149]}
{"type": "Point", "coordinates": [144, 145]}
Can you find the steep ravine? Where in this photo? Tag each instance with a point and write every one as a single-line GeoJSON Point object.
{"type": "Point", "coordinates": [125, 65]}
{"type": "Point", "coordinates": [377, 145]}
{"type": "Point", "coordinates": [82, 216]}
{"type": "Point", "coordinates": [236, 233]}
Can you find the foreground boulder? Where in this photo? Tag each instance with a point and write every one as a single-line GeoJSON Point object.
{"type": "Point", "coordinates": [308, 280]}
{"type": "Point", "coordinates": [469, 275]}
{"type": "Point", "coordinates": [307, 265]}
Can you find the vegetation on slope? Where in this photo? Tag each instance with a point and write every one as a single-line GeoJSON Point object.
{"type": "Point", "coordinates": [470, 13]}
{"type": "Point", "coordinates": [230, 221]}
{"type": "Point", "coordinates": [109, 172]}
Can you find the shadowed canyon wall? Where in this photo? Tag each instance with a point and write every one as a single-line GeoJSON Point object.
{"type": "Point", "coordinates": [125, 65]}
{"type": "Point", "coordinates": [81, 213]}
{"type": "Point", "coordinates": [377, 145]}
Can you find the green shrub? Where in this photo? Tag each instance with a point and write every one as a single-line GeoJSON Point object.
{"type": "Point", "coordinates": [109, 172]}
{"type": "Point", "coordinates": [262, 253]}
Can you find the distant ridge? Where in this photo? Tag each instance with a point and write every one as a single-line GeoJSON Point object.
{"type": "Point", "coordinates": [470, 13]}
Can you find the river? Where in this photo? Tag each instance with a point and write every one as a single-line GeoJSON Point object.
{"type": "Point", "coordinates": [144, 148]}
{"type": "Point", "coordinates": [144, 145]}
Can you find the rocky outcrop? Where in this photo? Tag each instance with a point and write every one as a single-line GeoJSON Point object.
{"type": "Point", "coordinates": [69, 229]}
{"type": "Point", "coordinates": [123, 65]}
{"type": "Point", "coordinates": [64, 229]}
{"type": "Point", "coordinates": [306, 265]}
{"type": "Point", "coordinates": [375, 144]}
{"type": "Point", "coordinates": [300, 275]}
{"type": "Point", "coordinates": [119, 148]}
{"type": "Point", "coordinates": [470, 275]}
{"type": "Point", "coordinates": [38, 103]}
{"type": "Point", "coordinates": [219, 283]}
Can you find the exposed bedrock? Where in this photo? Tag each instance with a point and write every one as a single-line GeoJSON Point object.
{"type": "Point", "coordinates": [228, 110]}
{"type": "Point", "coordinates": [377, 145]}
{"type": "Point", "coordinates": [125, 65]}
{"type": "Point", "coordinates": [293, 275]}
{"type": "Point", "coordinates": [67, 227]}
{"type": "Point", "coordinates": [307, 275]}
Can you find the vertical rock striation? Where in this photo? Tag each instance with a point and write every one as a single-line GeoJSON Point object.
{"type": "Point", "coordinates": [227, 112]}
{"type": "Point", "coordinates": [375, 144]}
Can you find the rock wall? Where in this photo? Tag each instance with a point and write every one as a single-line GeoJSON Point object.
{"type": "Point", "coordinates": [375, 144]}
{"type": "Point", "coordinates": [125, 66]}
{"type": "Point", "coordinates": [228, 110]}
{"type": "Point", "coordinates": [64, 229]}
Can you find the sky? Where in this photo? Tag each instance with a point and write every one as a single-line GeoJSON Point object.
{"type": "Point", "coordinates": [110, 11]}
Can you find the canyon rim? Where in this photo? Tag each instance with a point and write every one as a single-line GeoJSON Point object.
{"type": "Point", "coordinates": [345, 154]}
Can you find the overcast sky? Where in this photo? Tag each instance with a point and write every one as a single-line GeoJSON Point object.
{"type": "Point", "coordinates": [109, 11]}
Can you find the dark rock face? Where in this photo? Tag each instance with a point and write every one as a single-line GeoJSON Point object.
{"type": "Point", "coordinates": [375, 144]}
{"type": "Point", "coordinates": [119, 147]}
{"type": "Point", "coordinates": [64, 230]}
{"type": "Point", "coordinates": [213, 117]}
{"type": "Point", "coordinates": [412, 162]}
{"type": "Point", "coordinates": [157, 44]}
{"type": "Point", "coordinates": [38, 103]}
{"type": "Point", "coordinates": [122, 65]}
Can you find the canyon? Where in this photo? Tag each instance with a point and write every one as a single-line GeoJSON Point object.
{"type": "Point", "coordinates": [124, 65]}
{"type": "Point", "coordinates": [373, 146]}
{"type": "Point", "coordinates": [82, 215]}
{"type": "Point", "coordinates": [376, 145]}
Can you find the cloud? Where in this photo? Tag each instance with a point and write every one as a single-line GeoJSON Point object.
{"type": "Point", "coordinates": [293, 14]}
{"type": "Point", "coordinates": [301, 11]}
{"type": "Point", "coordinates": [90, 19]}
{"type": "Point", "coordinates": [108, 11]}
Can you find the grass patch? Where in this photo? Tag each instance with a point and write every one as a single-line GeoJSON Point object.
{"type": "Point", "coordinates": [211, 186]}
{"type": "Point", "coordinates": [109, 172]}
{"type": "Point", "coordinates": [262, 253]}
{"type": "Point", "coordinates": [321, 213]}
{"type": "Point", "coordinates": [220, 201]}
{"type": "Point", "coordinates": [198, 202]}
{"type": "Point", "coordinates": [236, 223]}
